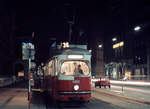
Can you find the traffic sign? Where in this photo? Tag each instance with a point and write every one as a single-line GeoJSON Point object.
{"type": "Point", "coordinates": [28, 51]}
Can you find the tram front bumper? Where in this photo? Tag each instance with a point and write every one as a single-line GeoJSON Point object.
{"type": "Point", "coordinates": [74, 96]}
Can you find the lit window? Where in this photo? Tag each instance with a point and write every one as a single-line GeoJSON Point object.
{"type": "Point", "coordinates": [70, 68]}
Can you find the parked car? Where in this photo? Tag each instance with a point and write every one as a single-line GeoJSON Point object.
{"type": "Point", "coordinates": [103, 82]}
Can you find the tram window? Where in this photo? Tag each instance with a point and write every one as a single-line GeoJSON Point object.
{"type": "Point", "coordinates": [46, 70]}
{"type": "Point", "coordinates": [56, 66]}
{"type": "Point", "coordinates": [71, 68]}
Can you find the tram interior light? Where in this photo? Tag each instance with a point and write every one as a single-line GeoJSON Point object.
{"type": "Point", "coordinates": [75, 56]}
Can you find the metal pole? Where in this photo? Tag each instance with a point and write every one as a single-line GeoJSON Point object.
{"type": "Point", "coordinates": [122, 77]}
{"type": "Point", "coordinates": [122, 85]}
{"type": "Point", "coordinates": [29, 84]}
{"type": "Point", "coordinates": [148, 63]}
{"type": "Point", "coordinates": [70, 29]}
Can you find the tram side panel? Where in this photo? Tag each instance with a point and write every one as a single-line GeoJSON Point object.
{"type": "Point", "coordinates": [48, 77]}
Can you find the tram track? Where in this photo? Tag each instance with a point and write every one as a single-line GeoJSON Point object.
{"type": "Point", "coordinates": [52, 104]}
{"type": "Point", "coordinates": [86, 107]}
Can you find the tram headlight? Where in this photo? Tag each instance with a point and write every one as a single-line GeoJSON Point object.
{"type": "Point", "coordinates": [76, 87]}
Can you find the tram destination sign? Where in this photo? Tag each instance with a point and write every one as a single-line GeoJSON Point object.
{"type": "Point", "coordinates": [28, 51]}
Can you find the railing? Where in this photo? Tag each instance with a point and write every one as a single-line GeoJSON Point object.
{"type": "Point", "coordinates": [7, 81]}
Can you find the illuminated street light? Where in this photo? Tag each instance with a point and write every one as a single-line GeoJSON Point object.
{"type": "Point", "coordinates": [137, 28]}
{"type": "Point", "coordinates": [114, 39]}
{"type": "Point", "coordinates": [100, 46]}
{"type": "Point", "coordinates": [90, 51]}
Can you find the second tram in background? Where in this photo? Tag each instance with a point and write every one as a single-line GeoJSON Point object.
{"type": "Point", "coordinates": [67, 75]}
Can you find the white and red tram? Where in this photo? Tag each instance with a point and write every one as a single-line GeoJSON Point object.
{"type": "Point", "coordinates": [62, 79]}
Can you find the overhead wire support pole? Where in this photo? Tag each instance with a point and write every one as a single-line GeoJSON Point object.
{"type": "Point", "coordinates": [71, 23]}
{"type": "Point", "coordinates": [70, 29]}
{"type": "Point", "coordinates": [29, 75]}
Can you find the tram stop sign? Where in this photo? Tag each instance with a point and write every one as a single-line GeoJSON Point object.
{"type": "Point", "coordinates": [28, 51]}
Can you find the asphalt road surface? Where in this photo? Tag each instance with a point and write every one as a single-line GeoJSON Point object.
{"type": "Point", "coordinates": [15, 97]}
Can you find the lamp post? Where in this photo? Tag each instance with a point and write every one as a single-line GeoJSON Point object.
{"type": "Point", "coordinates": [118, 46]}
{"type": "Point", "coordinates": [70, 29]}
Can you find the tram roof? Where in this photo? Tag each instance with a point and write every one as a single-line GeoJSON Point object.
{"type": "Point", "coordinates": [67, 51]}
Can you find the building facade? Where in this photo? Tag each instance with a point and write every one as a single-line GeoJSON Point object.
{"type": "Point", "coordinates": [131, 59]}
{"type": "Point", "coordinates": [7, 40]}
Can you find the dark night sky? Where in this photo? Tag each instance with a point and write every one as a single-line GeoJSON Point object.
{"type": "Point", "coordinates": [49, 18]}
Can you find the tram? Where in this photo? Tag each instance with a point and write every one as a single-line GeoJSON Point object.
{"type": "Point", "coordinates": [67, 75]}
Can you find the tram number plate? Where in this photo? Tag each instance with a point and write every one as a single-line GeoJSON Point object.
{"type": "Point", "coordinates": [76, 81]}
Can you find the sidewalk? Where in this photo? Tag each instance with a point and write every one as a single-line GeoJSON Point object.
{"type": "Point", "coordinates": [18, 99]}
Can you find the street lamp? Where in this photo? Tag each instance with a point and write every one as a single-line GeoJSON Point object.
{"type": "Point", "coordinates": [137, 28]}
{"type": "Point", "coordinates": [90, 51]}
{"type": "Point", "coordinates": [114, 39]}
{"type": "Point", "coordinates": [100, 46]}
